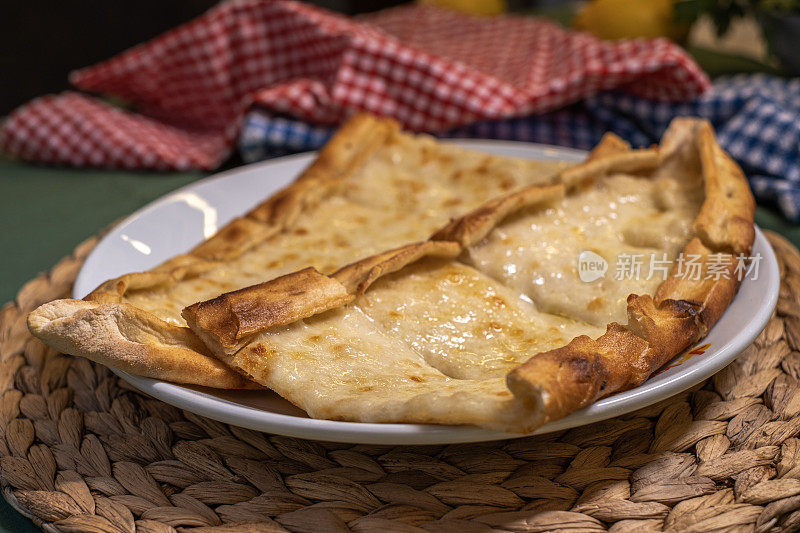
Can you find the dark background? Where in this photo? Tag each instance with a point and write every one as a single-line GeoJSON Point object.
{"type": "Point", "coordinates": [42, 41]}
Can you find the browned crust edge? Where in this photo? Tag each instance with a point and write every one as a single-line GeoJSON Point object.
{"type": "Point", "coordinates": [725, 222]}
{"type": "Point", "coordinates": [560, 381]}
{"type": "Point", "coordinates": [474, 226]}
{"type": "Point", "coordinates": [143, 345]}
{"type": "Point", "coordinates": [104, 329]}
{"type": "Point", "coordinates": [227, 322]}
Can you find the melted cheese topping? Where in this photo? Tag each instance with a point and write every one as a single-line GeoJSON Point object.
{"type": "Point", "coordinates": [438, 181]}
{"type": "Point", "coordinates": [403, 193]}
{"type": "Point", "coordinates": [339, 365]}
{"type": "Point", "coordinates": [465, 324]}
{"type": "Point", "coordinates": [624, 219]}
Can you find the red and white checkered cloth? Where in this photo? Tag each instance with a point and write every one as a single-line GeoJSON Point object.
{"type": "Point", "coordinates": [429, 68]}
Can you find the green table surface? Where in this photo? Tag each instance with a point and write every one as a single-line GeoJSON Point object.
{"type": "Point", "coordinates": [45, 212]}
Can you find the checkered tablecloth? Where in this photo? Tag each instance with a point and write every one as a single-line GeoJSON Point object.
{"type": "Point", "coordinates": [757, 119]}
{"type": "Point", "coordinates": [431, 69]}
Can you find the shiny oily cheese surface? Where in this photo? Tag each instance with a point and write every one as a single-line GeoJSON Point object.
{"type": "Point", "coordinates": [626, 220]}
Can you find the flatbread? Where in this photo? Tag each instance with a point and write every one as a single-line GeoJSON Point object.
{"type": "Point", "coordinates": [403, 336]}
{"type": "Point", "coordinates": [371, 188]}
{"type": "Point", "coordinates": [398, 293]}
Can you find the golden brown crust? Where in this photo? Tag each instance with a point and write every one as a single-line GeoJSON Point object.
{"type": "Point", "coordinates": [629, 161]}
{"type": "Point", "coordinates": [125, 337]}
{"type": "Point", "coordinates": [569, 378]}
{"type": "Point", "coordinates": [473, 227]}
{"type": "Point", "coordinates": [358, 276]}
{"type": "Point", "coordinates": [725, 222]}
{"type": "Point", "coordinates": [709, 290]}
{"type": "Point", "coordinates": [560, 381]}
{"type": "Point", "coordinates": [225, 323]}
{"type": "Point", "coordinates": [668, 327]}
{"type": "Point", "coordinates": [609, 145]}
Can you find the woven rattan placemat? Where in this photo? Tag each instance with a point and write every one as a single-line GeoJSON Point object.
{"type": "Point", "coordinates": [82, 451]}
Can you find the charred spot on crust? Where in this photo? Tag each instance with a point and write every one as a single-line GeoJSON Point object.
{"type": "Point", "coordinates": [587, 369]}
{"type": "Point", "coordinates": [580, 367]}
{"type": "Point", "coordinates": [232, 233]}
{"type": "Point", "coordinates": [413, 186]}
{"type": "Point", "coordinates": [507, 183]}
{"type": "Point", "coordinates": [596, 304]}
{"type": "Point", "coordinates": [446, 159]}
{"type": "Point", "coordinates": [260, 350]}
{"type": "Point", "coordinates": [483, 167]}
{"type": "Point", "coordinates": [682, 308]}
{"type": "Point", "coordinates": [498, 302]}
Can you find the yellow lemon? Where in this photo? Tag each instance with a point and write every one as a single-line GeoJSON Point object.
{"type": "Point", "coordinates": [477, 7]}
{"type": "Point", "coordinates": [619, 19]}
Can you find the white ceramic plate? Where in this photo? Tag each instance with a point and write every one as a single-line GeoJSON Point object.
{"type": "Point", "coordinates": [178, 221]}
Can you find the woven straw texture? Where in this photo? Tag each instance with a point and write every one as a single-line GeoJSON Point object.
{"type": "Point", "coordinates": [82, 451]}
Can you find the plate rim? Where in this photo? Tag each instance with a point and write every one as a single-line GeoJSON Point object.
{"type": "Point", "coordinates": [377, 433]}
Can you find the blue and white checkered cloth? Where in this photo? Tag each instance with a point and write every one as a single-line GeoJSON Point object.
{"type": "Point", "coordinates": [756, 117]}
